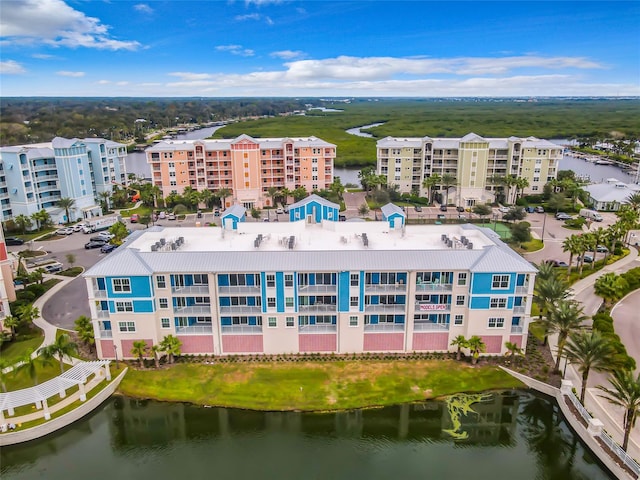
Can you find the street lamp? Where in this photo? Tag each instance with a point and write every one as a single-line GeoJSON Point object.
{"type": "Point", "coordinates": [115, 352]}
{"type": "Point", "coordinates": [544, 222]}
{"type": "Point", "coordinates": [495, 220]}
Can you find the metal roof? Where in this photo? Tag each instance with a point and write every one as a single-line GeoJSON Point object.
{"type": "Point", "coordinates": [314, 198]}
{"type": "Point", "coordinates": [236, 210]}
{"type": "Point", "coordinates": [390, 208]}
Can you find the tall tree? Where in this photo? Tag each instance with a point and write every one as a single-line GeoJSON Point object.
{"type": "Point", "coordinates": [460, 342]}
{"type": "Point", "coordinates": [140, 350]}
{"type": "Point", "coordinates": [12, 322]}
{"type": "Point", "coordinates": [447, 181]}
{"type": "Point", "coordinates": [68, 204]}
{"type": "Point", "coordinates": [565, 317]}
{"type": "Point", "coordinates": [430, 183]}
{"type": "Point", "coordinates": [171, 345]}
{"type": "Point", "coordinates": [476, 346]}
{"type": "Point", "coordinates": [61, 348]}
{"type": "Point", "coordinates": [610, 287]}
{"type": "Point", "coordinates": [626, 394]}
{"type": "Point", "coordinates": [222, 194]}
{"type": "Point", "coordinates": [23, 223]}
{"type": "Point", "coordinates": [28, 313]}
{"type": "Point", "coordinates": [572, 245]}
{"type": "Point", "coordinates": [588, 350]}
{"type": "Point", "coordinates": [105, 197]}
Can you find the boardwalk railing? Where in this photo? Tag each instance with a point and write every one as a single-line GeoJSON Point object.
{"type": "Point", "coordinates": [620, 453]}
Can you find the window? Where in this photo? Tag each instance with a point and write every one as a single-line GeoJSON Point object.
{"type": "Point", "coordinates": [353, 321]}
{"type": "Point", "coordinates": [498, 303]}
{"type": "Point", "coordinates": [182, 322]}
{"type": "Point", "coordinates": [496, 322]}
{"type": "Point", "coordinates": [272, 322]}
{"type": "Point", "coordinates": [288, 301]}
{"type": "Point", "coordinates": [202, 300]}
{"type": "Point", "coordinates": [161, 282]}
{"type": "Point", "coordinates": [203, 319]}
{"type": "Point", "coordinates": [271, 302]}
{"type": "Point", "coordinates": [126, 327]}
{"type": "Point", "coordinates": [354, 301]}
{"type": "Point", "coordinates": [462, 278]}
{"type": "Point", "coordinates": [460, 300]}
{"type": "Point", "coordinates": [500, 282]}
{"type": "Point", "coordinates": [121, 285]}
{"type": "Point", "coordinates": [163, 302]}
{"type": "Point", "coordinates": [124, 306]}
{"type": "Point", "coordinates": [355, 279]}
{"type": "Point", "coordinates": [288, 280]}
{"type": "Point", "coordinates": [165, 323]}
{"type": "Point", "coordinates": [200, 279]}
{"type": "Point", "coordinates": [271, 280]}
{"type": "Point", "coordinates": [324, 319]}
{"type": "Point", "coordinates": [458, 320]}
{"type": "Point", "coordinates": [290, 322]}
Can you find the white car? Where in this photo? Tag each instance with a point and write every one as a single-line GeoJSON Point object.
{"type": "Point", "coordinates": [504, 209]}
{"type": "Point", "coordinates": [106, 235]}
{"type": "Point", "coordinates": [78, 227]}
{"type": "Point", "coordinates": [279, 210]}
{"type": "Point", "coordinates": [64, 231]}
{"type": "Point", "coordinates": [171, 216]}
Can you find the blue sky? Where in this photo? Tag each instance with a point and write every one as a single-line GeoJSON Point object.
{"type": "Point", "coordinates": [319, 48]}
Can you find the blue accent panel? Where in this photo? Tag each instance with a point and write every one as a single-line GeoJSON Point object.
{"type": "Point", "coordinates": [112, 306]}
{"type": "Point", "coordinates": [510, 302]}
{"type": "Point", "coordinates": [479, 303]}
{"type": "Point", "coordinates": [520, 280]}
{"type": "Point", "coordinates": [104, 305]}
{"type": "Point", "coordinates": [101, 283]}
{"type": "Point", "coordinates": [225, 321]}
{"type": "Point", "coordinates": [140, 287]}
{"type": "Point", "coordinates": [280, 292]}
{"type": "Point", "coordinates": [515, 321]}
{"type": "Point", "coordinates": [225, 302]}
{"type": "Point", "coordinates": [250, 279]}
{"type": "Point", "coordinates": [361, 300]}
{"type": "Point", "coordinates": [398, 319]}
{"type": "Point", "coordinates": [517, 302]}
{"type": "Point", "coordinates": [482, 283]}
{"type": "Point", "coordinates": [344, 280]}
{"type": "Point", "coordinates": [223, 280]}
{"type": "Point", "coordinates": [143, 306]}
{"type": "Point", "coordinates": [107, 325]}
{"type": "Point", "coordinates": [263, 290]}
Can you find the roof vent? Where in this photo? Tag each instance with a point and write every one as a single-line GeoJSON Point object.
{"type": "Point", "coordinates": [154, 248]}
{"type": "Point", "coordinates": [470, 246]}
{"type": "Point", "coordinates": [365, 240]}
{"type": "Point", "coordinates": [162, 241]}
{"type": "Point", "coordinates": [292, 242]}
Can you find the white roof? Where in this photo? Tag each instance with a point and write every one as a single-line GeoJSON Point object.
{"type": "Point", "coordinates": [314, 198]}
{"type": "Point", "coordinates": [454, 143]}
{"type": "Point", "coordinates": [390, 208]}
{"type": "Point", "coordinates": [225, 144]}
{"type": "Point", "coordinates": [612, 192]}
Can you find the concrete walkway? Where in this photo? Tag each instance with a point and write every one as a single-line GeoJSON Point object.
{"type": "Point", "coordinates": [611, 416]}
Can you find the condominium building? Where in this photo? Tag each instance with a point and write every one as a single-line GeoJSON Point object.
{"type": "Point", "coordinates": [36, 177]}
{"type": "Point", "coordinates": [475, 163]}
{"type": "Point", "coordinates": [246, 166]}
{"type": "Point", "coordinates": [311, 286]}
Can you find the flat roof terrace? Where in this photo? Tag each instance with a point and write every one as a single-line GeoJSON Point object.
{"type": "Point", "coordinates": [302, 236]}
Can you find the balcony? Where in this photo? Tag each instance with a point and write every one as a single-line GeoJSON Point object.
{"type": "Point", "coordinates": [39, 168]}
{"type": "Point", "coordinates": [434, 287]}
{"type": "Point", "coordinates": [194, 309]}
{"type": "Point", "coordinates": [102, 314]}
{"type": "Point", "coordinates": [317, 288]}
{"type": "Point", "coordinates": [106, 333]}
{"type": "Point", "coordinates": [520, 309]}
{"type": "Point", "coordinates": [195, 330]}
{"type": "Point", "coordinates": [99, 293]}
{"type": "Point", "coordinates": [240, 289]}
{"type": "Point", "coordinates": [384, 327]}
{"type": "Point", "coordinates": [240, 309]}
{"type": "Point", "coordinates": [317, 329]}
{"type": "Point", "coordinates": [430, 327]}
{"type": "Point", "coordinates": [318, 307]}
{"type": "Point", "coordinates": [516, 329]}
{"type": "Point", "coordinates": [241, 329]}
{"type": "Point", "coordinates": [385, 308]}
{"type": "Point", "coordinates": [523, 289]}
{"type": "Point", "coordinates": [195, 289]}
{"type": "Point", "coordinates": [384, 287]}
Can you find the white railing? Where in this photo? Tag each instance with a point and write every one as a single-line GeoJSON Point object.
{"type": "Point", "coordinates": [194, 330]}
{"type": "Point", "coordinates": [103, 314]}
{"type": "Point", "coordinates": [318, 307]}
{"type": "Point", "coordinates": [516, 329]}
{"type": "Point", "coordinates": [434, 287]}
{"type": "Point", "coordinates": [99, 293]}
{"type": "Point", "coordinates": [240, 289]}
{"type": "Point", "coordinates": [106, 334]}
{"type": "Point", "coordinates": [430, 327]}
{"type": "Point", "coordinates": [586, 416]}
{"type": "Point", "coordinates": [519, 309]}
{"type": "Point", "coordinates": [240, 309]}
{"type": "Point", "coordinates": [317, 289]}
{"type": "Point", "coordinates": [523, 289]}
{"type": "Point", "coordinates": [384, 327]}
{"type": "Point", "coordinates": [241, 329]}
{"type": "Point", "coordinates": [620, 453]}
{"type": "Point", "coordinates": [385, 287]}
{"type": "Point", "coordinates": [190, 290]}
{"type": "Point", "coordinates": [317, 328]}
{"type": "Point", "coordinates": [397, 308]}
{"type": "Point", "coordinates": [192, 309]}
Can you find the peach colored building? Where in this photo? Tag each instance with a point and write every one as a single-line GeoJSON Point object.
{"type": "Point", "coordinates": [246, 166]}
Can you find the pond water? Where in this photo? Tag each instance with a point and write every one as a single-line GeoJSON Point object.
{"type": "Point", "coordinates": [513, 435]}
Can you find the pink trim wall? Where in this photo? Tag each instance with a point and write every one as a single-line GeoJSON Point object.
{"type": "Point", "coordinates": [517, 339]}
{"type": "Point", "coordinates": [242, 344]}
{"type": "Point", "coordinates": [106, 348]}
{"type": "Point", "coordinates": [493, 343]}
{"type": "Point", "coordinates": [383, 342]}
{"type": "Point", "coordinates": [127, 345]}
{"type": "Point", "coordinates": [196, 343]}
{"type": "Point", "coordinates": [431, 341]}
{"type": "Point", "coordinates": [321, 342]}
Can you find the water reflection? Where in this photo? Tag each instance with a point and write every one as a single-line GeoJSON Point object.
{"type": "Point", "coordinates": [510, 435]}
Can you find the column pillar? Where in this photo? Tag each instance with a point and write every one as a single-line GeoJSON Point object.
{"type": "Point", "coordinates": [38, 404]}
{"type": "Point", "coordinates": [566, 387]}
{"type": "Point", "coordinates": [63, 393]}
{"type": "Point", "coordinates": [107, 372]}
{"type": "Point", "coordinates": [595, 427]}
{"type": "Point", "coordinates": [11, 411]}
{"type": "Point", "coordinates": [47, 415]}
{"type": "Point", "coordinates": [83, 395]}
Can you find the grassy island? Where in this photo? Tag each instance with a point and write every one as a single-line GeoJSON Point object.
{"type": "Point", "coordinates": [313, 386]}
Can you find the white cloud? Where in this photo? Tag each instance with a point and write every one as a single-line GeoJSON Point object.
{"type": "Point", "coordinates": [11, 67]}
{"type": "Point", "coordinates": [122, 83]}
{"type": "Point", "coordinates": [249, 16]}
{"type": "Point", "coordinates": [287, 54]}
{"type": "Point", "coordinates": [260, 3]}
{"type": "Point", "coordinates": [43, 56]}
{"type": "Point", "coordinates": [65, 73]}
{"type": "Point", "coordinates": [103, 82]}
{"type": "Point", "coordinates": [143, 8]}
{"type": "Point", "coordinates": [53, 22]}
{"type": "Point", "coordinates": [236, 50]}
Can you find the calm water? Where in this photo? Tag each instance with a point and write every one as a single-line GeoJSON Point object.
{"type": "Point", "coordinates": [512, 436]}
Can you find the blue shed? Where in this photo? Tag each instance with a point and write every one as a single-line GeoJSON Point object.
{"type": "Point", "coordinates": [394, 215]}
{"type": "Point", "coordinates": [232, 215]}
{"type": "Point", "coordinates": [314, 209]}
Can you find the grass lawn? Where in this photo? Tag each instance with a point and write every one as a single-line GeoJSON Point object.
{"type": "Point", "coordinates": [31, 235]}
{"type": "Point", "coordinates": [20, 378]}
{"type": "Point", "coordinates": [313, 386]}
{"type": "Point", "coordinates": [72, 272]}
{"type": "Point", "coordinates": [532, 245]}
{"type": "Point", "coordinates": [537, 330]}
{"type": "Point", "coordinates": [142, 210]}
{"type": "Point", "coordinates": [14, 351]}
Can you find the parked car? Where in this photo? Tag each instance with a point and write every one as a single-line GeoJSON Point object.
{"type": "Point", "coordinates": [106, 235]}
{"type": "Point", "coordinates": [342, 218]}
{"type": "Point", "coordinates": [587, 259]}
{"type": "Point", "coordinates": [12, 241]}
{"type": "Point", "coordinates": [540, 209]}
{"type": "Point", "coordinates": [462, 216]}
{"type": "Point", "coordinates": [99, 238]}
{"type": "Point", "coordinates": [530, 210]}
{"type": "Point", "coordinates": [601, 249]}
{"type": "Point", "coordinates": [171, 216]}
{"type": "Point", "coordinates": [443, 208]}
{"type": "Point", "coordinates": [199, 214]}
{"type": "Point", "coordinates": [216, 212]}
{"type": "Point", "coordinates": [565, 217]}
{"type": "Point", "coordinates": [64, 231]}
{"type": "Point", "coordinates": [135, 218]}
{"type": "Point", "coordinates": [504, 209]}
{"type": "Point", "coordinates": [93, 244]}
{"type": "Point", "coordinates": [460, 208]}
{"type": "Point", "coordinates": [279, 210]}
{"type": "Point", "coordinates": [78, 227]}
{"type": "Point", "coordinates": [108, 247]}
{"type": "Point", "coordinates": [417, 208]}
{"type": "Point", "coordinates": [442, 216]}
{"type": "Point", "coordinates": [162, 215]}
{"type": "Point", "coordinates": [53, 268]}
{"type": "Point", "coordinates": [557, 263]}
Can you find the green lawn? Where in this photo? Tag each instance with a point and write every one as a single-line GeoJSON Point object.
{"type": "Point", "coordinates": [72, 272]}
{"type": "Point", "coordinates": [14, 351]}
{"type": "Point", "coordinates": [313, 385]}
{"type": "Point", "coordinates": [142, 210]}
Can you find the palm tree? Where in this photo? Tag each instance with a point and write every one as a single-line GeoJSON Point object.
{"type": "Point", "coordinates": [610, 287]}
{"type": "Point", "coordinates": [521, 183]}
{"type": "Point", "coordinates": [634, 201]}
{"type": "Point", "coordinates": [572, 245]}
{"type": "Point", "coordinates": [171, 345]}
{"type": "Point", "coordinates": [598, 235]}
{"type": "Point", "coordinates": [564, 318]}
{"type": "Point", "coordinates": [140, 350]}
{"type": "Point", "coordinates": [590, 245]}
{"type": "Point", "coordinates": [272, 193]}
{"type": "Point", "coordinates": [626, 394]}
{"type": "Point", "coordinates": [588, 350]}
{"type": "Point", "coordinates": [68, 204]}
{"type": "Point", "coordinates": [30, 362]}
{"type": "Point", "coordinates": [206, 197]}
{"type": "Point", "coordinates": [476, 345]}
{"type": "Point", "coordinates": [156, 350]}
{"type": "Point", "coordinates": [546, 270]}
{"type": "Point", "coordinates": [61, 348]}
{"type": "Point", "coordinates": [41, 218]}
{"type": "Point", "coordinates": [223, 193]}
{"type": "Point", "coordinates": [513, 350]}
{"type": "Point", "coordinates": [23, 223]}
{"type": "Point", "coordinates": [84, 327]}
{"type": "Point", "coordinates": [461, 343]}
{"type": "Point", "coordinates": [447, 181]}
{"type": "Point", "coordinates": [429, 183]}
{"type": "Point", "coordinates": [12, 322]}
{"type": "Point", "coordinates": [546, 292]}
{"type": "Point", "coordinates": [4, 363]}
{"type": "Point", "coordinates": [509, 181]}
{"type": "Point", "coordinates": [104, 198]}
{"type": "Point", "coordinates": [28, 313]}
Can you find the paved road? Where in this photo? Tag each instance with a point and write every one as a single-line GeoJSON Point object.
{"type": "Point", "coordinates": [625, 319]}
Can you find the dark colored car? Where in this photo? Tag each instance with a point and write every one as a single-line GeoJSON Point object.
{"type": "Point", "coordinates": [530, 210]}
{"type": "Point", "coordinates": [558, 263]}
{"type": "Point", "coordinates": [460, 209]}
{"type": "Point", "coordinates": [442, 216]}
{"type": "Point", "coordinates": [13, 241]}
{"type": "Point", "coordinates": [443, 208]}
{"type": "Point", "coordinates": [342, 218]}
{"type": "Point", "coordinates": [98, 239]}
{"type": "Point", "coordinates": [93, 244]}
{"type": "Point", "coordinates": [417, 208]}
{"type": "Point", "coordinates": [108, 248]}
